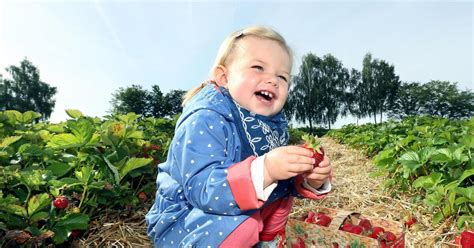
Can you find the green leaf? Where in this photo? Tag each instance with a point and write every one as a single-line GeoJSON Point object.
{"type": "Point", "coordinates": [428, 182]}
{"type": "Point", "coordinates": [38, 202]}
{"type": "Point", "coordinates": [426, 153]}
{"type": "Point", "coordinates": [74, 113]}
{"type": "Point", "coordinates": [83, 129]}
{"type": "Point", "coordinates": [85, 174]}
{"type": "Point", "coordinates": [443, 155]}
{"type": "Point", "coordinates": [30, 150]}
{"type": "Point", "coordinates": [29, 116]}
{"type": "Point", "coordinates": [59, 169]}
{"type": "Point", "coordinates": [73, 221]}
{"type": "Point", "coordinates": [437, 218]}
{"type": "Point", "coordinates": [14, 209]}
{"type": "Point", "coordinates": [39, 216]}
{"type": "Point", "coordinates": [466, 174]}
{"type": "Point", "coordinates": [466, 193]}
{"type": "Point", "coordinates": [60, 235]}
{"type": "Point", "coordinates": [410, 160]}
{"type": "Point", "coordinates": [133, 163]}
{"type": "Point", "coordinates": [463, 220]}
{"type": "Point", "coordinates": [9, 140]}
{"type": "Point", "coordinates": [64, 141]}
{"type": "Point", "coordinates": [114, 170]}
{"type": "Point", "coordinates": [35, 178]}
{"type": "Point", "coordinates": [13, 115]}
{"type": "Point", "coordinates": [56, 128]}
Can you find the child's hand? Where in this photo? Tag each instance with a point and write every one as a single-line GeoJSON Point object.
{"type": "Point", "coordinates": [319, 174]}
{"type": "Point", "coordinates": [287, 161]}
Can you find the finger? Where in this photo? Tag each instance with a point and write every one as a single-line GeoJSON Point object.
{"type": "Point", "coordinates": [322, 170]}
{"type": "Point", "coordinates": [300, 168]}
{"type": "Point", "coordinates": [299, 159]}
{"type": "Point", "coordinates": [325, 162]}
{"type": "Point", "coordinates": [318, 177]}
{"type": "Point", "coordinates": [300, 151]}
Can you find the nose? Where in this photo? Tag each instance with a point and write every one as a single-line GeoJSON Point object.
{"type": "Point", "coordinates": [272, 79]}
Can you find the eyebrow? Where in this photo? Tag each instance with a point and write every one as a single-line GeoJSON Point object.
{"type": "Point", "coordinates": [263, 62]}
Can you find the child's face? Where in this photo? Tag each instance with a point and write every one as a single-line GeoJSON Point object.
{"type": "Point", "coordinates": [258, 75]}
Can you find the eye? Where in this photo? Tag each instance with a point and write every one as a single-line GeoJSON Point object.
{"type": "Point", "coordinates": [283, 78]}
{"type": "Point", "coordinates": [260, 68]}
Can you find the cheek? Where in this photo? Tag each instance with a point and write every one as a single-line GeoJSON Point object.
{"type": "Point", "coordinates": [284, 95]}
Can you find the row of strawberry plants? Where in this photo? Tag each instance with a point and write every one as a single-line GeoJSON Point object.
{"type": "Point", "coordinates": [432, 157]}
{"type": "Point", "coordinates": [55, 178]}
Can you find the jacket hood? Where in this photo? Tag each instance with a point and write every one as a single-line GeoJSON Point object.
{"type": "Point", "coordinates": [211, 98]}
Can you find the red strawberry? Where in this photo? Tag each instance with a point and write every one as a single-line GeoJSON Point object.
{"type": "Point", "coordinates": [75, 233]}
{"type": "Point", "coordinates": [457, 240]}
{"type": "Point", "coordinates": [410, 222]}
{"type": "Point", "coordinates": [347, 227]}
{"type": "Point", "coordinates": [376, 232]}
{"type": "Point", "coordinates": [314, 145]}
{"type": "Point", "coordinates": [310, 217]}
{"type": "Point", "coordinates": [142, 196]}
{"type": "Point", "coordinates": [356, 229]}
{"type": "Point", "coordinates": [323, 220]}
{"type": "Point", "coordinates": [61, 202]}
{"type": "Point", "coordinates": [389, 236]}
{"type": "Point", "coordinates": [299, 243]}
{"type": "Point", "coordinates": [365, 224]}
{"type": "Point", "coordinates": [467, 239]}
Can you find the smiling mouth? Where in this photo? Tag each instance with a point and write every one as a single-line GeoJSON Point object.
{"type": "Point", "coordinates": [268, 96]}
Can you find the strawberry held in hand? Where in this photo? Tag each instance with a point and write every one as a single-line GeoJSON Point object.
{"type": "Point", "coordinates": [313, 144]}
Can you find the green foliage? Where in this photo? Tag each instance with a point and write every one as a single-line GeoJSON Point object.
{"type": "Point", "coordinates": [431, 156]}
{"type": "Point", "coordinates": [436, 98]}
{"type": "Point", "coordinates": [147, 103]}
{"type": "Point", "coordinates": [25, 91]}
{"type": "Point", "coordinates": [95, 164]}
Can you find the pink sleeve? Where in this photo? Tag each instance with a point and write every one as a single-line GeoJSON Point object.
{"type": "Point", "coordinates": [306, 193]}
{"type": "Point", "coordinates": [241, 185]}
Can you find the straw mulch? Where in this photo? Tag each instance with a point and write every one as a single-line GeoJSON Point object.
{"type": "Point", "coordinates": [353, 190]}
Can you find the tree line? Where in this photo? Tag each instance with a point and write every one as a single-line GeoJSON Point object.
{"type": "Point", "coordinates": [322, 91]}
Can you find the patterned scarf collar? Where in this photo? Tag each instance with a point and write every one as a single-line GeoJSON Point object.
{"type": "Point", "coordinates": [262, 133]}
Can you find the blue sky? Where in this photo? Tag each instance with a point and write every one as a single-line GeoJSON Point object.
{"type": "Point", "coordinates": [88, 49]}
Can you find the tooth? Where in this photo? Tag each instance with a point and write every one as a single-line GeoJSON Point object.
{"type": "Point", "coordinates": [271, 95]}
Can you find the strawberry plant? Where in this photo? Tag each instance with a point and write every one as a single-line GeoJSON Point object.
{"type": "Point", "coordinates": [55, 178]}
{"type": "Point", "coordinates": [429, 156]}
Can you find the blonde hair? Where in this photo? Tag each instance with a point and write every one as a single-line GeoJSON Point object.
{"type": "Point", "coordinates": [227, 47]}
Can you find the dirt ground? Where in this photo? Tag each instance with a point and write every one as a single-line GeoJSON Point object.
{"type": "Point", "coordinates": [353, 190]}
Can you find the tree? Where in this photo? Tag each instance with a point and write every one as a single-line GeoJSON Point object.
{"type": "Point", "coordinates": [380, 84]}
{"type": "Point", "coordinates": [355, 97]}
{"type": "Point", "coordinates": [445, 100]}
{"type": "Point", "coordinates": [173, 100]}
{"type": "Point", "coordinates": [410, 101]}
{"type": "Point", "coordinates": [302, 94]}
{"type": "Point", "coordinates": [332, 90]}
{"type": "Point", "coordinates": [317, 93]}
{"type": "Point", "coordinates": [157, 102]}
{"type": "Point", "coordinates": [436, 98]}
{"type": "Point", "coordinates": [131, 99]}
{"type": "Point", "coordinates": [147, 103]}
{"type": "Point", "coordinates": [25, 91]}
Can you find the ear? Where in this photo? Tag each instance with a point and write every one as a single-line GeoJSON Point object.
{"type": "Point", "coordinates": [220, 75]}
